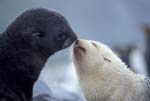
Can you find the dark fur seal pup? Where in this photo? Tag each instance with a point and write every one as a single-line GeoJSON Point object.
{"type": "Point", "coordinates": [104, 77]}
{"type": "Point", "coordinates": [25, 47]}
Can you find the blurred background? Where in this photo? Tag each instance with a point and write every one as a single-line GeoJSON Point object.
{"type": "Point", "coordinates": [124, 25]}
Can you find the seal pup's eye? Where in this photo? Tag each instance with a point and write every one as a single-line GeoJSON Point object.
{"type": "Point", "coordinates": [94, 44]}
{"type": "Point", "coordinates": [107, 59]}
{"type": "Point", "coordinates": [38, 34]}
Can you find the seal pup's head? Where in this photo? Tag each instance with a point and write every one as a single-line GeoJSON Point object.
{"type": "Point", "coordinates": [91, 56]}
{"type": "Point", "coordinates": [100, 71]}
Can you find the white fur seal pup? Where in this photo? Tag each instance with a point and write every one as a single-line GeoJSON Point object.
{"type": "Point", "coordinates": [104, 77]}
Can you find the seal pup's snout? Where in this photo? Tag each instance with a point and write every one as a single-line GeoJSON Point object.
{"type": "Point", "coordinates": [78, 47]}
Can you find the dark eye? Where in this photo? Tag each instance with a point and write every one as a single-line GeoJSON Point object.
{"type": "Point", "coordinates": [107, 59]}
{"type": "Point", "coordinates": [94, 44]}
{"type": "Point", "coordinates": [38, 34]}
{"type": "Point", "coordinates": [61, 36]}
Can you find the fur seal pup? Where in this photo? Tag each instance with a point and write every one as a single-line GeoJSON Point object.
{"type": "Point", "coordinates": [104, 77]}
{"type": "Point", "coordinates": [25, 47]}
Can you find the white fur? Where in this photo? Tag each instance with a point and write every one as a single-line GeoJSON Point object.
{"type": "Point", "coordinates": [104, 77]}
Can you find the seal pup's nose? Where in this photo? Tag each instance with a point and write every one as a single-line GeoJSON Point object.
{"type": "Point", "coordinates": [77, 42]}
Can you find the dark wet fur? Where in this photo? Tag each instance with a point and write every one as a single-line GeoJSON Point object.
{"type": "Point", "coordinates": [25, 47]}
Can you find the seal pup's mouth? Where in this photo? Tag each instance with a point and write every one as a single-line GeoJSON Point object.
{"type": "Point", "coordinates": [78, 48]}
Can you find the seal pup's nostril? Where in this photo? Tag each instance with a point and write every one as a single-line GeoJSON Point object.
{"type": "Point", "coordinates": [77, 42]}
